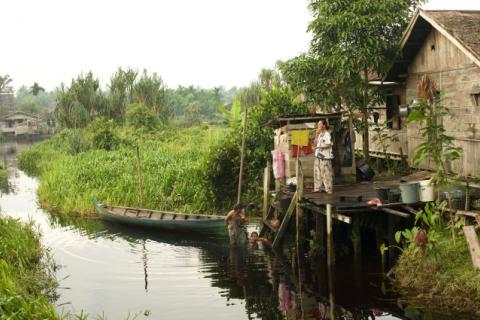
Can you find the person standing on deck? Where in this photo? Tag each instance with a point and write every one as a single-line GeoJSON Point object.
{"type": "Point", "coordinates": [323, 171]}
{"type": "Point", "coordinates": [234, 221]}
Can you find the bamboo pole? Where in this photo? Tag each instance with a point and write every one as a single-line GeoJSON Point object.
{"type": "Point", "coordinates": [299, 217]}
{"type": "Point", "coordinates": [329, 236]}
{"type": "Point", "coordinates": [242, 155]}
{"type": "Point", "coordinates": [266, 189]}
{"type": "Point", "coordinates": [139, 177]}
{"type": "Point", "coordinates": [330, 260]}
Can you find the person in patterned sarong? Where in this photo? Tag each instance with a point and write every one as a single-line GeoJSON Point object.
{"type": "Point", "coordinates": [235, 220]}
{"type": "Point", "coordinates": [323, 171]}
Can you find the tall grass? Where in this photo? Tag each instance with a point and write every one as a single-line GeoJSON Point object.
{"type": "Point", "coordinates": [173, 166]}
{"type": "Point", "coordinates": [27, 284]}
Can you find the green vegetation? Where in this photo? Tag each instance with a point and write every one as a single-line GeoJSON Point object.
{"type": "Point", "coordinates": [436, 265]}
{"type": "Point", "coordinates": [192, 105]}
{"type": "Point", "coordinates": [3, 176]}
{"type": "Point", "coordinates": [185, 169]}
{"type": "Point", "coordinates": [351, 40]}
{"type": "Point", "coordinates": [443, 274]}
{"type": "Point", "coordinates": [34, 100]}
{"type": "Point", "coordinates": [73, 168]}
{"type": "Point", "coordinates": [27, 283]}
{"type": "Point", "coordinates": [438, 149]}
{"type": "Point", "coordinates": [84, 100]}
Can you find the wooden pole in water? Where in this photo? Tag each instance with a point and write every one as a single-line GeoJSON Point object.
{"type": "Point", "coordinates": [329, 235]}
{"type": "Point", "coordinates": [330, 260]}
{"type": "Point", "coordinates": [266, 189]}
{"type": "Point", "coordinates": [242, 155]}
{"type": "Point", "coordinates": [299, 212]}
{"type": "Point", "coordinates": [139, 177]}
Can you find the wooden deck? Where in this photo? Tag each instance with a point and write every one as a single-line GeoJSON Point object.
{"type": "Point", "coordinates": [349, 204]}
{"type": "Point", "coordinates": [351, 195]}
{"type": "Point", "coordinates": [359, 193]}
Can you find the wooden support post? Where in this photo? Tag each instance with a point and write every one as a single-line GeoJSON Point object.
{"type": "Point", "coordinates": [266, 189]}
{"type": "Point", "coordinates": [242, 154]}
{"type": "Point", "coordinates": [139, 177]}
{"type": "Point", "coordinates": [391, 223]}
{"type": "Point", "coordinates": [352, 144]}
{"type": "Point", "coordinates": [320, 230]}
{"type": "Point", "coordinates": [394, 212]}
{"type": "Point", "coordinates": [467, 195]}
{"type": "Point", "coordinates": [285, 222]}
{"type": "Point", "coordinates": [473, 246]}
{"type": "Point", "coordinates": [330, 258]}
{"type": "Point", "coordinates": [299, 213]}
{"type": "Point", "coordinates": [356, 238]}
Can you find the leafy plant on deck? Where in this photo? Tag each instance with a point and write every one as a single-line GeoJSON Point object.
{"type": "Point", "coordinates": [438, 148]}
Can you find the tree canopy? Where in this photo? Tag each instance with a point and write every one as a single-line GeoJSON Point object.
{"type": "Point", "coordinates": [36, 89]}
{"type": "Point", "coordinates": [350, 39]}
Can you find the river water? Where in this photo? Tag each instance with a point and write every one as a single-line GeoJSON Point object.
{"type": "Point", "coordinates": [125, 273]}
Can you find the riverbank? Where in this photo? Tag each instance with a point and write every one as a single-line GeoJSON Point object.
{"type": "Point", "coordinates": [443, 278]}
{"type": "Point", "coordinates": [27, 281]}
{"type": "Point", "coordinates": [171, 173]}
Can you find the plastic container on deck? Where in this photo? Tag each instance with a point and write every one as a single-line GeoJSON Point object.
{"type": "Point", "coordinates": [427, 191]}
{"type": "Point", "coordinates": [409, 191]}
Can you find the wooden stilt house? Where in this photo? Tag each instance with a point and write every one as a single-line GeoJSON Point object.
{"type": "Point", "coordinates": [294, 141]}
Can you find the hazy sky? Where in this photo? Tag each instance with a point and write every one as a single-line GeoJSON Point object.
{"type": "Point", "coordinates": [188, 42]}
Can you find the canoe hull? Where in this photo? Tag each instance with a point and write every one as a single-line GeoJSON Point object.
{"type": "Point", "coordinates": [212, 226]}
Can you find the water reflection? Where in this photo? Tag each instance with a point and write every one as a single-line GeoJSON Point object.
{"type": "Point", "coordinates": [116, 270]}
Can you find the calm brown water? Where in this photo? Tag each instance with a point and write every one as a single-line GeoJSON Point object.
{"type": "Point", "coordinates": [119, 272]}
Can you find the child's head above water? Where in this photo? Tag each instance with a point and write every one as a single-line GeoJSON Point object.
{"type": "Point", "coordinates": [254, 235]}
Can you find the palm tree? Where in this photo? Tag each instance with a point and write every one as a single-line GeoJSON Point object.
{"type": "Point", "coordinates": [36, 89]}
{"type": "Point", "coordinates": [4, 81]}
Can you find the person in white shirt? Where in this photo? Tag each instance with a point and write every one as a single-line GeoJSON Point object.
{"type": "Point", "coordinates": [323, 171]}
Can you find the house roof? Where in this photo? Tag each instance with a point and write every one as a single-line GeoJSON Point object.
{"type": "Point", "coordinates": [10, 114]}
{"type": "Point", "coordinates": [282, 120]}
{"type": "Point", "coordinates": [461, 27]}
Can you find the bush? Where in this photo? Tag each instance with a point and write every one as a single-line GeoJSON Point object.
{"type": "Point", "coordinates": [103, 134]}
{"type": "Point", "coordinates": [72, 141]}
{"type": "Point", "coordinates": [140, 117]}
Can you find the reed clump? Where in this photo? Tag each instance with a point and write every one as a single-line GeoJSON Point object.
{"type": "Point", "coordinates": [73, 170]}
{"type": "Point", "coordinates": [27, 282]}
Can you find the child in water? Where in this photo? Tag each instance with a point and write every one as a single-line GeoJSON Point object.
{"type": "Point", "coordinates": [255, 239]}
{"type": "Point", "coordinates": [234, 221]}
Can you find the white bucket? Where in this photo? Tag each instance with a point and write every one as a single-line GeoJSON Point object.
{"type": "Point", "coordinates": [427, 191]}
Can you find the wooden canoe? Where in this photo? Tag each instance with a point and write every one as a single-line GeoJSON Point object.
{"type": "Point", "coordinates": [165, 220]}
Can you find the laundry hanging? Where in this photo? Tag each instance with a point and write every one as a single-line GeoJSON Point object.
{"type": "Point", "coordinates": [300, 137]}
{"type": "Point", "coordinates": [306, 150]}
{"type": "Point", "coordinates": [278, 164]}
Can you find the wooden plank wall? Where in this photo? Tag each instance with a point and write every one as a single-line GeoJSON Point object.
{"type": "Point", "coordinates": [455, 76]}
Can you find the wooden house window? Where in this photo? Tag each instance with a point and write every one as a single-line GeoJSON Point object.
{"type": "Point", "coordinates": [475, 94]}
{"type": "Point", "coordinates": [393, 112]}
{"type": "Point", "coordinates": [476, 99]}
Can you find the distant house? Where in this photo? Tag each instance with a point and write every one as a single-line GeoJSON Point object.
{"type": "Point", "coordinates": [445, 45]}
{"type": "Point", "coordinates": [19, 123]}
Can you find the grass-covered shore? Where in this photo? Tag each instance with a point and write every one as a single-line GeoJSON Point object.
{"type": "Point", "coordinates": [435, 269]}
{"type": "Point", "coordinates": [27, 282]}
{"type": "Point", "coordinates": [175, 166]}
